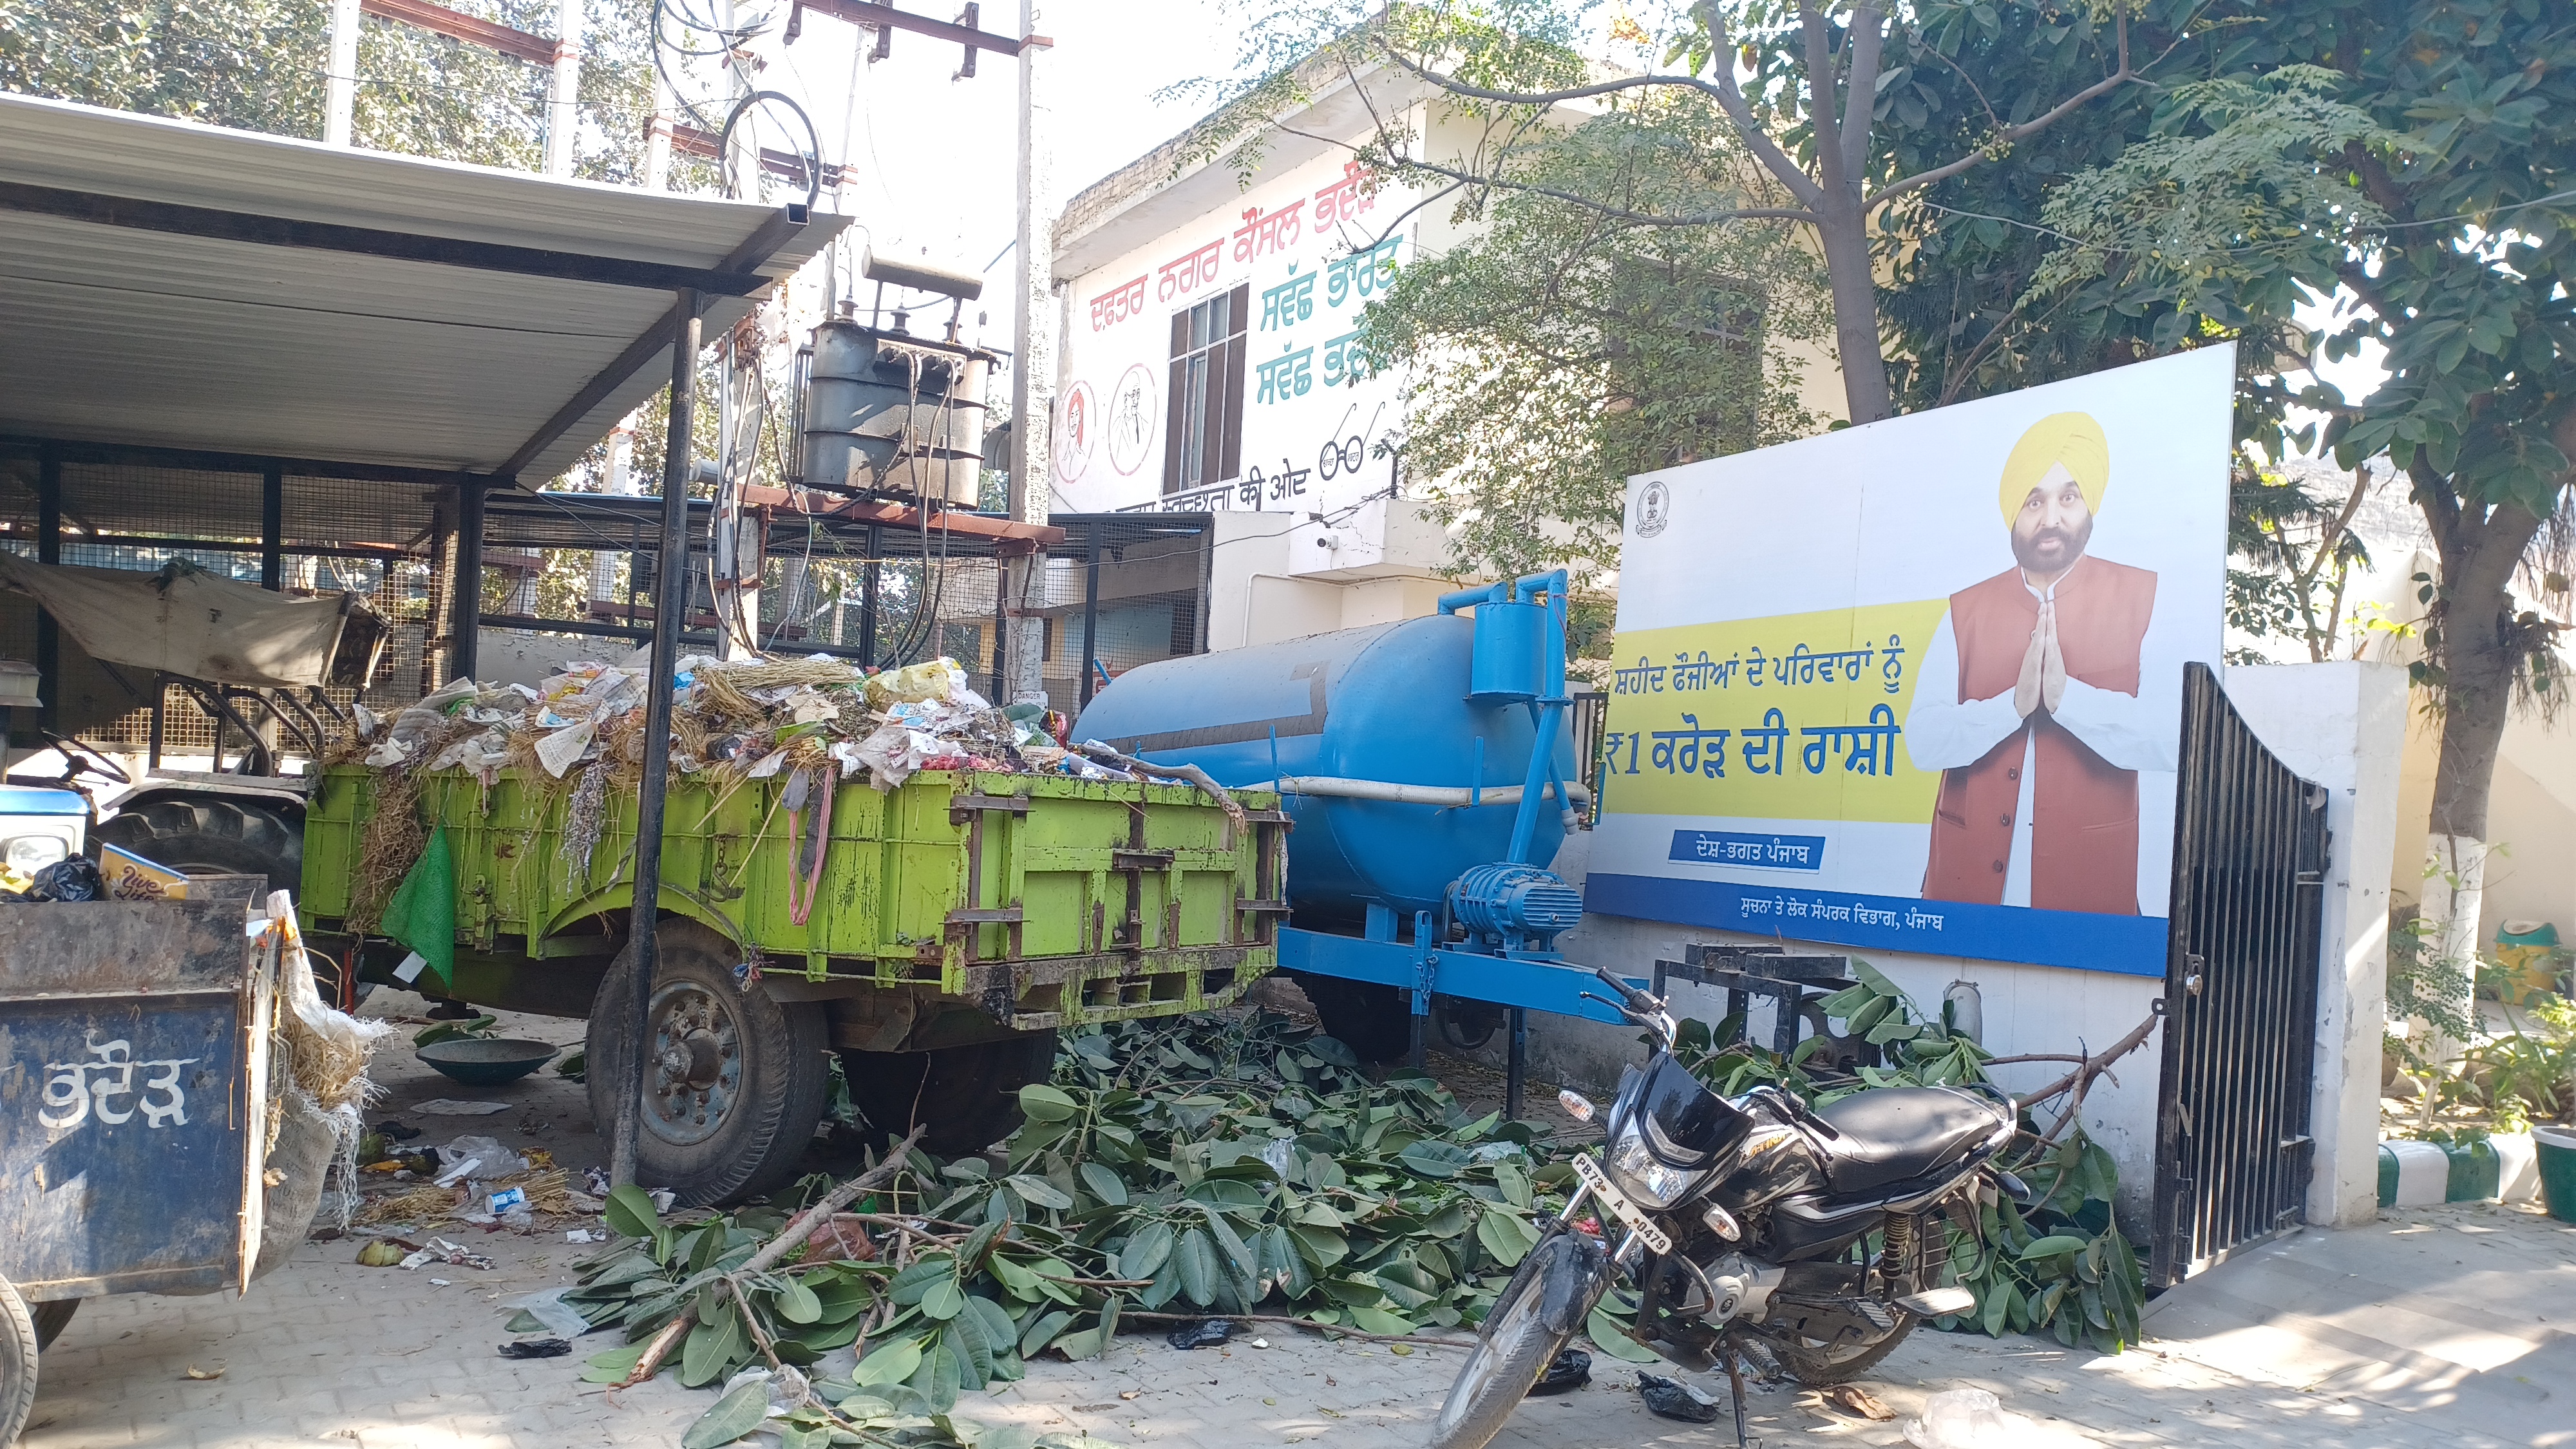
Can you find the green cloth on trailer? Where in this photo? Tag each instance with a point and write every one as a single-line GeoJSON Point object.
{"type": "Point", "coordinates": [422, 913]}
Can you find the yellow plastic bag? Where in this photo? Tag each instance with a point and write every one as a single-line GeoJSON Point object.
{"type": "Point", "coordinates": [932, 679]}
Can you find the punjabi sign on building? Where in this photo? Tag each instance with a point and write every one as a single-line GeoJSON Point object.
{"type": "Point", "coordinates": [1917, 685]}
{"type": "Point", "coordinates": [1217, 368]}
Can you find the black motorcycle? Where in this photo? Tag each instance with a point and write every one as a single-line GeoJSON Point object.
{"type": "Point", "coordinates": [1743, 1225]}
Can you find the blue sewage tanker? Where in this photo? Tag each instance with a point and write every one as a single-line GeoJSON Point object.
{"type": "Point", "coordinates": [1425, 766]}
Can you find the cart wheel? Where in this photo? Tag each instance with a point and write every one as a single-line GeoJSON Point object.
{"type": "Point", "coordinates": [734, 1081]}
{"type": "Point", "coordinates": [51, 1319]}
{"type": "Point", "coordinates": [17, 1363]}
{"type": "Point", "coordinates": [970, 1095]}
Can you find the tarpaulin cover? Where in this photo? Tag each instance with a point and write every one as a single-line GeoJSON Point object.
{"type": "Point", "coordinates": [187, 622]}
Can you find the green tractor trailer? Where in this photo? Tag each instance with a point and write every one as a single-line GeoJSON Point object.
{"type": "Point", "coordinates": [937, 939]}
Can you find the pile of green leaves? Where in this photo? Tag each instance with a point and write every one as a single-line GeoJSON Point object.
{"type": "Point", "coordinates": [1220, 1166]}
{"type": "Point", "coordinates": [2062, 1264]}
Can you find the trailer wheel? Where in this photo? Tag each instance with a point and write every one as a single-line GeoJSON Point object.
{"type": "Point", "coordinates": [17, 1363]}
{"type": "Point", "coordinates": [734, 1081]}
{"type": "Point", "coordinates": [228, 836]}
{"type": "Point", "coordinates": [970, 1095]}
{"type": "Point", "coordinates": [1373, 1020]}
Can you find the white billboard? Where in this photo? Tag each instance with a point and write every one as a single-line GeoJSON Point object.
{"type": "Point", "coordinates": [1917, 685]}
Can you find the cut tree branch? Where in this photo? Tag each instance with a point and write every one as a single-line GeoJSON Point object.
{"type": "Point", "coordinates": [2080, 1080]}
{"type": "Point", "coordinates": [798, 1230]}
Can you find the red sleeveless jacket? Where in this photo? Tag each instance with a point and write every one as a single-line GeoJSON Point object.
{"type": "Point", "coordinates": [2084, 830]}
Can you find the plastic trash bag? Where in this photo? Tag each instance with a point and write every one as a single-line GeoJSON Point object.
{"type": "Point", "coordinates": [933, 679]}
{"type": "Point", "coordinates": [1976, 1419]}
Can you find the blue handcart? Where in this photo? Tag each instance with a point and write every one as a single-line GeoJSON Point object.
{"type": "Point", "coordinates": [134, 1107]}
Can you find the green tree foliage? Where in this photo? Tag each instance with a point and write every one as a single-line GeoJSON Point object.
{"type": "Point", "coordinates": [2418, 156]}
{"type": "Point", "coordinates": [1560, 349]}
{"type": "Point", "coordinates": [259, 65]}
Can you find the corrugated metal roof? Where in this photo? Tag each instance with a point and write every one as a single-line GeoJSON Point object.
{"type": "Point", "coordinates": [116, 334]}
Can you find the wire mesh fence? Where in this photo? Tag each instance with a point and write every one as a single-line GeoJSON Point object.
{"type": "Point", "coordinates": [372, 539]}
{"type": "Point", "coordinates": [565, 577]}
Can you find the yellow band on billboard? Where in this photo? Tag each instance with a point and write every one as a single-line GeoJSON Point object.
{"type": "Point", "coordinates": [1794, 717]}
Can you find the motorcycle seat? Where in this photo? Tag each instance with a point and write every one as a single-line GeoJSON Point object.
{"type": "Point", "coordinates": [1896, 1133]}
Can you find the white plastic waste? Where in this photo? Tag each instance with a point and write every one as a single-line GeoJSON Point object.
{"type": "Point", "coordinates": [1976, 1419]}
{"type": "Point", "coordinates": [489, 1157]}
{"type": "Point", "coordinates": [548, 1308]}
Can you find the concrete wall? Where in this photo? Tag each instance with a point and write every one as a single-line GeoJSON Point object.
{"type": "Point", "coordinates": [2338, 724]}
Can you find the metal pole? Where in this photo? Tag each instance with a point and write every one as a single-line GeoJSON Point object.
{"type": "Point", "coordinates": [677, 467]}
{"type": "Point", "coordinates": [1001, 629]}
{"type": "Point", "coordinates": [467, 602]}
{"type": "Point", "coordinates": [869, 580]}
{"type": "Point", "coordinates": [563, 109]}
{"type": "Point", "coordinates": [1033, 312]}
{"type": "Point", "coordinates": [1516, 1065]}
{"type": "Point", "coordinates": [272, 529]}
{"type": "Point", "coordinates": [160, 721]}
{"type": "Point", "coordinates": [1090, 614]}
{"type": "Point", "coordinates": [49, 550]}
{"type": "Point", "coordinates": [340, 77]}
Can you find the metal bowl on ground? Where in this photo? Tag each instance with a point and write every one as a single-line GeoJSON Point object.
{"type": "Point", "coordinates": [487, 1061]}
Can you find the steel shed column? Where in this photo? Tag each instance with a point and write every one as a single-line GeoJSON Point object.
{"type": "Point", "coordinates": [272, 528]}
{"type": "Point", "coordinates": [49, 550]}
{"type": "Point", "coordinates": [466, 604]}
{"type": "Point", "coordinates": [670, 609]}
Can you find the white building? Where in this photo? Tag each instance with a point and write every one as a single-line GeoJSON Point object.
{"type": "Point", "coordinates": [1211, 304]}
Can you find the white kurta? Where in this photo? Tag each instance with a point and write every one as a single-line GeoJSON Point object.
{"type": "Point", "coordinates": [2133, 732]}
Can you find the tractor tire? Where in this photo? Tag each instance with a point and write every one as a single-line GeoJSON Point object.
{"type": "Point", "coordinates": [970, 1095]}
{"type": "Point", "coordinates": [735, 1083]}
{"type": "Point", "coordinates": [1374, 1021]}
{"type": "Point", "coordinates": [18, 1350]}
{"type": "Point", "coordinates": [215, 835]}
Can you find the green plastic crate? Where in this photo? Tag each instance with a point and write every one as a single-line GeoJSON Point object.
{"type": "Point", "coordinates": [1043, 899]}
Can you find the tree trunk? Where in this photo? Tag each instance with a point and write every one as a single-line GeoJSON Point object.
{"type": "Point", "coordinates": [2476, 653]}
{"type": "Point", "coordinates": [1843, 230]}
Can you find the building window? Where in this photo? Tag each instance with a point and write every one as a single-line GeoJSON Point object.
{"type": "Point", "coordinates": [1204, 442]}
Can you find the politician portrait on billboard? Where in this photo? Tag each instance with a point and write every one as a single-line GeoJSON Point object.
{"type": "Point", "coordinates": [1918, 684]}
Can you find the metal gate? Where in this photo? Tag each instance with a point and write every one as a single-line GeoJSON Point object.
{"type": "Point", "coordinates": [2233, 1152]}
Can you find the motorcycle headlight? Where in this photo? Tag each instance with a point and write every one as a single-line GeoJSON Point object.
{"type": "Point", "coordinates": [1640, 1174]}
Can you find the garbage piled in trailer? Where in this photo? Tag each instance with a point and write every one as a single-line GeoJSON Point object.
{"type": "Point", "coordinates": [748, 719]}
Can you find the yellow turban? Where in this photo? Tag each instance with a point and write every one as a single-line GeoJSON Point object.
{"type": "Point", "coordinates": [2073, 439]}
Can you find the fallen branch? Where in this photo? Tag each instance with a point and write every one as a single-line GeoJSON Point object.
{"type": "Point", "coordinates": [798, 1230]}
{"type": "Point", "coordinates": [2080, 1080]}
{"type": "Point", "coordinates": [2094, 1065]}
{"type": "Point", "coordinates": [1334, 1329]}
{"type": "Point", "coordinates": [1188, 774]}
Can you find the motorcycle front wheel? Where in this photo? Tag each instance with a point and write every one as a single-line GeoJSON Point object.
{"type": "Point", "coordinates": [1512, 1350]}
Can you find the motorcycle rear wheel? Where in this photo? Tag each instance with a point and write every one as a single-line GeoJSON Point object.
{"type": "Point", "coordinates": [1512, 1350]}
{"type": "Point", "coordinates": [1819, 1365]}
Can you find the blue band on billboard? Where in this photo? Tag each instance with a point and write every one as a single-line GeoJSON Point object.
{"type": "Point", "coordinates": [1760, 852]}
{"type": "Point", "coordinates": [2079, 940]}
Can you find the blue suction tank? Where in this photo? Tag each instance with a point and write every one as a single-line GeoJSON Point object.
{"type": "Point", "coordinates": [1391, 702]}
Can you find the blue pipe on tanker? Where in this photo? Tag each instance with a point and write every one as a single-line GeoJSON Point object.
{"type": "Point", "coordinates": [1418, 703]}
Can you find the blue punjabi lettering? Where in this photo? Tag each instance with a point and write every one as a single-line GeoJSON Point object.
{"type": "Point", "coordinates": [1756, 852]}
